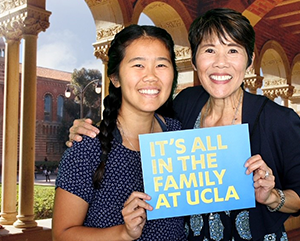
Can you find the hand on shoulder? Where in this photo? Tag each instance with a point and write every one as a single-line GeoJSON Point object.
{"type": "Point", "coordinates": [81, 127]}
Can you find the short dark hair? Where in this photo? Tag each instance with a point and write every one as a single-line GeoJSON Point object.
{"type": "Point", "coordinates": [223, 23]}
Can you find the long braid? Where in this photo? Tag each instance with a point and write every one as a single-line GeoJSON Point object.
{"type": "Point", "coordinates": [112, 104]}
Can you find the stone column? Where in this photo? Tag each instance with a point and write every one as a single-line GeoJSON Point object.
{"type": "Point", "coordinates": [100, 51]}
{"type": "Point", "coordinates": [10, 23]}
{"type": "Point", "coordinates": [27, 134]}
{"type": "Point", "coordinates": [105, 80]}
{"type": "Point", "coordinates": [36, 21]}
{"type": "Point", "coordinates": [10, 132]}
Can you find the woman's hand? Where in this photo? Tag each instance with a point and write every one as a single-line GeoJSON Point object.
{"type": "Point", "coordinates": [264, 181]}
{"type": "Point", "coordinates": [134, 214]}
{"type": "Point", "coordinates": [81, 127]}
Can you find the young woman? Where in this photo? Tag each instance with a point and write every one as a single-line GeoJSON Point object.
{"type": "Point", "coordinates": [99, 188]}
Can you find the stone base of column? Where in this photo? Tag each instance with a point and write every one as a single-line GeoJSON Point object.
{"type": "Point", "coordinates": [8, 218]}
{"type": "Point", "coordinates": [25, 222]}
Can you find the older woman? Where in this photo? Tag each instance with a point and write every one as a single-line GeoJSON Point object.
{"type": "Point", "coordinates": [222, 43]}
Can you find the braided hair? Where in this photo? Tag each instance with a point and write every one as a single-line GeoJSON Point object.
{"type": "Point", "coordinates": [113, 101]}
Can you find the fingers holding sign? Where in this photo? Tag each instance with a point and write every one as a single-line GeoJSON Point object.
{"type": "Point", "coordinates": [134, 213]}
{"type": "Point", "coordinates": [263, 178]}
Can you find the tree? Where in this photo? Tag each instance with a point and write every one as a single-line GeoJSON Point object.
{"type": "Point", "coordinates": [71, 110]}
{"type": "Point", "coordinates": [91, 100]}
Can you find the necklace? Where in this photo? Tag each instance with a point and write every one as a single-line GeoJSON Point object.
{"type": "Point", "coordinates": [202, 118]}
{"type": "Point", "coordinates": [127, 139]}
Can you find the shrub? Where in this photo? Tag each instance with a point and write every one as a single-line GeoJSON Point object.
{"type": "Point", "coordinates": [43, 201]}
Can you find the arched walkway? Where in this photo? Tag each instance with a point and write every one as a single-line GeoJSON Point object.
{"type": "Point", "coordinates": [26, 18]}
{"type": "Point", "coordinates": [276, 71]}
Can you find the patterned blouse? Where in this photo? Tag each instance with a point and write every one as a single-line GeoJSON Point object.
{"type": "Point", "coordinates": [123, 175]}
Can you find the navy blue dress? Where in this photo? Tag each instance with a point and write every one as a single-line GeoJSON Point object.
{"type": "Point", "coordinates": [123, 175]}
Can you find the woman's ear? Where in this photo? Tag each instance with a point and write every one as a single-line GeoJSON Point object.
{"type": "Point", "coordinates": [194, 67]}
{"type": "Point", "coordinates": [252, 63]}
{"type": "Point", "coordinates": [115, 81]}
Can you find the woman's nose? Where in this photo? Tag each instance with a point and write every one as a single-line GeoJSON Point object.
{"type": "Point", "coordinates": [221, 61]}
{"type": "Point", "coordinates": [150, 75]}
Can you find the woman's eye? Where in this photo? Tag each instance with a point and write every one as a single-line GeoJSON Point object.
{"type": "Point", "coordinates": [209, 51]}
{"type": "Point", "coordinates": [161, 65]}
{"type": "Point", "coordinates": [233, 51]}
{"type": "Point", "coordinates": [138, 65]}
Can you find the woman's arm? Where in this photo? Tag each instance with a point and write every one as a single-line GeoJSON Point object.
{"type": "Point", "coordinates": [291, 204]}
{"type": "Point", "coordinates": [70, 211]}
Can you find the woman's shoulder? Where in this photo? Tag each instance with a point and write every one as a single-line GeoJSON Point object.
{"type": "Point", "coordinates": [81, 156]}
{"type": "Point", "coordinates": [85, 148]}
{"type": "Point", "coordinates": [272, 111]}
{"type": "Point", "coordinates": [77, 167]}
{"type": "Point", "coordinates": [87, 143]}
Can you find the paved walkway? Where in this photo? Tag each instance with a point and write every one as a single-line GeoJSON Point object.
{"type": "Point", "coordinates": [41, 180]}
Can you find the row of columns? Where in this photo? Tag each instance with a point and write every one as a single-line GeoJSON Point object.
{"type": "Point", "coordinates": [24, 23]}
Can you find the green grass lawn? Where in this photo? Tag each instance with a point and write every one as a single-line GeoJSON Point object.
{"type": "Point", "coordinates": [43, 201]}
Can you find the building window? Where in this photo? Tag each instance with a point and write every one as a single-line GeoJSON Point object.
{"type": "Point", "coordinates": [48, 108]}
{"type": "Point", "coordinates": [60, 108]}
{"type": "Point", "coordinates": [49, 148]}
{"type": "Point", "coordinates": [56, 148]}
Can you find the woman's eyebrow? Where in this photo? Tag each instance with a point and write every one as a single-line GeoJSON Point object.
{"type": "Point", "coordinates": [206, 45]}
{"type": "Point", "coordinates": [143, 59]}
{"type": "Point", "coordinates": [234, 45]}
{"type": "Point", "coordinates": [136, 59]}
{"type": "Point", "coordinates": [164, 59]}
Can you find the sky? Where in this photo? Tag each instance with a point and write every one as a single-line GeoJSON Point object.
{"type": "Point", "coordinates": [68, 42]}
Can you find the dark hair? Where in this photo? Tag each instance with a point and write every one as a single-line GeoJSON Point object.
{"type": "Point", "coordinates": [113, 101]}
{"type": "Point", "coordinates": [223, 23]}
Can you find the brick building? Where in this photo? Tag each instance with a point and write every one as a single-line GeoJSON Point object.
{"type": "Point", "coordinates": [51, 86]}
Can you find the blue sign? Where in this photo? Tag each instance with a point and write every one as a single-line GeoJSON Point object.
{"type": "Point", "coordinates": [197, 171]}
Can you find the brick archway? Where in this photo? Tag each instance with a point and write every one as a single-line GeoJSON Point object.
{"type": "Point", "coordinates": [172, 16]}
{"type": "Point", "coordinates": [273, 60]}
{"type": "Point", "coordinates": [276, 71]}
